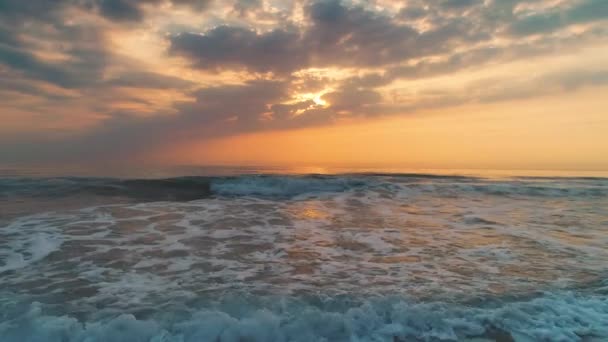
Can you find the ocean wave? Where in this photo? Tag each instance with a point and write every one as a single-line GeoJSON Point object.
{"type": "Point", "coordinates": [286, 186]}
{"type": "Point", "coordinates": [31, 249]}
{"type": "Point", "coordinates": [170, 189]}
{"type": "Point", "coordinates": [357, 243]}
{"type": "Point", "coordinates": [195, 187]}
{"type": "Point", "coordinates": [549, 317]}
{"type": "Point", "coordinates": [22, 245]}
{"type": "Point", "coordinates": [303, 258]}
{"type": "Point", "coordinates": [524, 189]}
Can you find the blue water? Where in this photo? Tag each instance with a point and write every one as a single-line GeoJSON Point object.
{"type": "Point", "coordinates": [240, 256]}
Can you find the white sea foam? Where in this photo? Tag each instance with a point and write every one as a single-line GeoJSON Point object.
{"type": "Point", "coordinates": [551, 317]}
{"type": "Point", "coordinates": [26, 242]}
{"type": "Point", "coordinates": [424, 241]}
{"type": "Point", "coordinates": [349, 242]}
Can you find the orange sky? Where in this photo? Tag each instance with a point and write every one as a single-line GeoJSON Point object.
{"type": "Point", "coordinates": [541, 133]}
{"type": "Point", "coordinates": [422, 84]}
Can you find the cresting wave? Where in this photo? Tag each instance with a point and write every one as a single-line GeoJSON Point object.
{"type": "Point", "coordinates": [353, 257]}
{"type": "Point", "coordinates": [548, 317]}
{"type": "Point", "coordinates": [191, 188]}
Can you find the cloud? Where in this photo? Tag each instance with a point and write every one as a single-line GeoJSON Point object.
{"type": "Point", "coordinates": [133, 10]}
{"type": "Point", "coordinates": [30, 30]}
{"type": "Point", "coordinates": [147, 79]}
{"type": "Point", "coordinates": [228, 47]}
{"type": "Point", "coordinates": [214, 112]}
{"type": "Point", "coordinates": [11, 83]}
{"type": "Point", "coordinates": [243, 7]}
{"type": "Point", "coordinates": [458, 4]}
{"type": "Point", "coordinates": [354, 100]}
{"type": "Point", "coordinates": [580, 12]}
{"type": "Point", "coordinates": [336, 34]}
{"type": "Point", "coordinates": [259, 106]}
{"type": "Point", "coordinates": [198, 5]}
{"type": "Point", "coordinates": [490, 90]}
{"type": "Point", "coordinates": [122, 10]}
{"type": "Point", "coordinates": [83, 67]}
{"type": "Point", "coordinates": [253, 66]}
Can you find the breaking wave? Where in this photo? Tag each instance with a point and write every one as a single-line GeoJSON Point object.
{"type": "Point", "coordinates": [191, 188]}
{"type": "Point", "coordinates": [351, 257]}
{"type": "Point", "coordinates": [548, 317]}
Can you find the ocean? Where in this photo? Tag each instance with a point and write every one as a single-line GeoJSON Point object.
{"type": "Point", "coordinates": [245, 254]}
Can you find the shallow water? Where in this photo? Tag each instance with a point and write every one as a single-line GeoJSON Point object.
{"type": "Point", "coordinates": [352, 257]}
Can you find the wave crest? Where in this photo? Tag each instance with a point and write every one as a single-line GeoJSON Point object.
{"type": "Point", "coordinates": [192, 188]}
{"type": "Point", "coordinates": [555, 317]}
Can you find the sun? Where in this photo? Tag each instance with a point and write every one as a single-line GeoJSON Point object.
{"type": "Point", "coordinates": [319, 100]}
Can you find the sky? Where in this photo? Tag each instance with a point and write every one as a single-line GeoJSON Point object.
{"type": "Point", "coordinates": [437, 84]}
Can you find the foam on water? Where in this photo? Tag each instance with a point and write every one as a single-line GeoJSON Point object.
{"type": "Point", "coordinates": [308, 258]}
{"type": "Point", "coordinates": [549, 317]}
{"type": "Point", "coordinates": [22, 244]}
